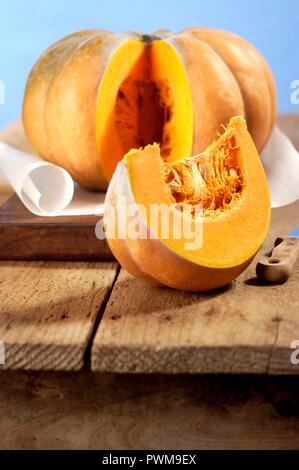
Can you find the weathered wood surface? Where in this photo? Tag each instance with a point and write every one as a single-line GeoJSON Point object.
{"type": "Point", "coordinates": [105, 411]}
{"type": "Point", "coordinates": [48, 311]}
{"type": "Point", "coordinates": [25, 236]}
{"type": "Point", "coordinates": [245, 327]}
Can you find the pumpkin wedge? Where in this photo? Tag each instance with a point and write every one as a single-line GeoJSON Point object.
{"type": "Point", "coordinates": [228, 185]}
{"type": "Point", "coordinates": [94, 95]}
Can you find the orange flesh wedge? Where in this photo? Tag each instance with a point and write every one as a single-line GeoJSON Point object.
{"type": "Point", "coordinates": [227, 180]}
{"type": "Point", "coordinates": [153, 103]}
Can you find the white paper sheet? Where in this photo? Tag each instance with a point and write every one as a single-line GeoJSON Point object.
{"type": "Point", "coordinates": [48, 190]}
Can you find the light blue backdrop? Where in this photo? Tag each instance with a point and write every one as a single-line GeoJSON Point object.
{"type": "Point", "coordinates": [27, 27]}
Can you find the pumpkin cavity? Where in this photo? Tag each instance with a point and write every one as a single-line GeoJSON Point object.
{"type": "Point", "coordinates": [144, 99]}
{"type": "Point", "coordinates": [213, 179]}
{"type": "Point", "coordinates": [143, 108]}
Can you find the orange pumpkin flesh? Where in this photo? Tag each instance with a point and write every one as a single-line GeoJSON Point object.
{"type": "Point", "coordinates": [146, 88]}
{"type": "Point", "coordinates": [94, 95]}
{"type": "Point", "coordinates": [227, 179]}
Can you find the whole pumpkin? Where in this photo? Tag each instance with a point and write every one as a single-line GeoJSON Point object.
{"type": "Point", "coordinates": [94, 95]}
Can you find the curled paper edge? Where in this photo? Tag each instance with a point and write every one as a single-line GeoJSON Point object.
{"type": "Point", "coordinates": [46, 189]}
{"type": "Point", "coordinates": [38, 184]}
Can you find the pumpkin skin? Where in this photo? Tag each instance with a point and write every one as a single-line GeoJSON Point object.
{"type": "Point", "coordinates": [235, 217]}
{"type": "Point", "coordinates": [94, 95]}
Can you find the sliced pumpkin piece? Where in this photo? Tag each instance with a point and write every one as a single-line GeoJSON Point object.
{"type": "Point", "coordinates": [222, 196]}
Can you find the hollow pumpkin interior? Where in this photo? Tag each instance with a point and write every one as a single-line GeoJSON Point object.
{"type": "Point", "coordinates": [144, 98]}
{"type": "Point", "coordinates": [226, 181]}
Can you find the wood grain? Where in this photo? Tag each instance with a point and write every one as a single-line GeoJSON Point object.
{"type": "Point", "coordinates": [25, 236]}
{"type": "Point", "coordinates": [245, 328]}
{"type": "Point", "coordinates": [105, 411]}
{"type": "Point", "coordinates": [48, 311]}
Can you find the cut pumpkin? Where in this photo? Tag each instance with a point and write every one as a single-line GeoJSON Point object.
{"type": "Point", "coordinates": [228, 184]}
{"type": "Point", "coordinates": [146, 90]}
{"type": "Point", "coordinates": [94, 95]}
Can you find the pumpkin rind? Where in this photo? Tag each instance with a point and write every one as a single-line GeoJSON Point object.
{"type": "Point", "coordinates": [231, 238]}
{"type": "Point", "coordinates": [253, 76]}
{"type": "Point", "coordinates": [215, 93]}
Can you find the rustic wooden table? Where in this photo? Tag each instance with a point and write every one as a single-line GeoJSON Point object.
{"type": "Point", "coordinates": [50, 317]}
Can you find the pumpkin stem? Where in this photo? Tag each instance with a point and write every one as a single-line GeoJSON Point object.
{"type": "Point", "coordinates": [148, 38]}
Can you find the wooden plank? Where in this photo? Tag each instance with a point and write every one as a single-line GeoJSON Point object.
{"type": "Point", "coordinates": [230, 333]}
{"type": "Point", "coordinates": [25, 236]}
{"type": "Point", "coordinates": [105, 411]}
{"type": "Point", "coordinates": [48, 311]}
{"type": "Point", "coordinates": [246, 327]}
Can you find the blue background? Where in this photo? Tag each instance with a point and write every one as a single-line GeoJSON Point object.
{"type": "Point", "coordinates": [27, 27]}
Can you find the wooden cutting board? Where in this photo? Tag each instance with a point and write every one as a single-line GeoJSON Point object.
{"type": "Point", "coordinates": [25, 236]}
